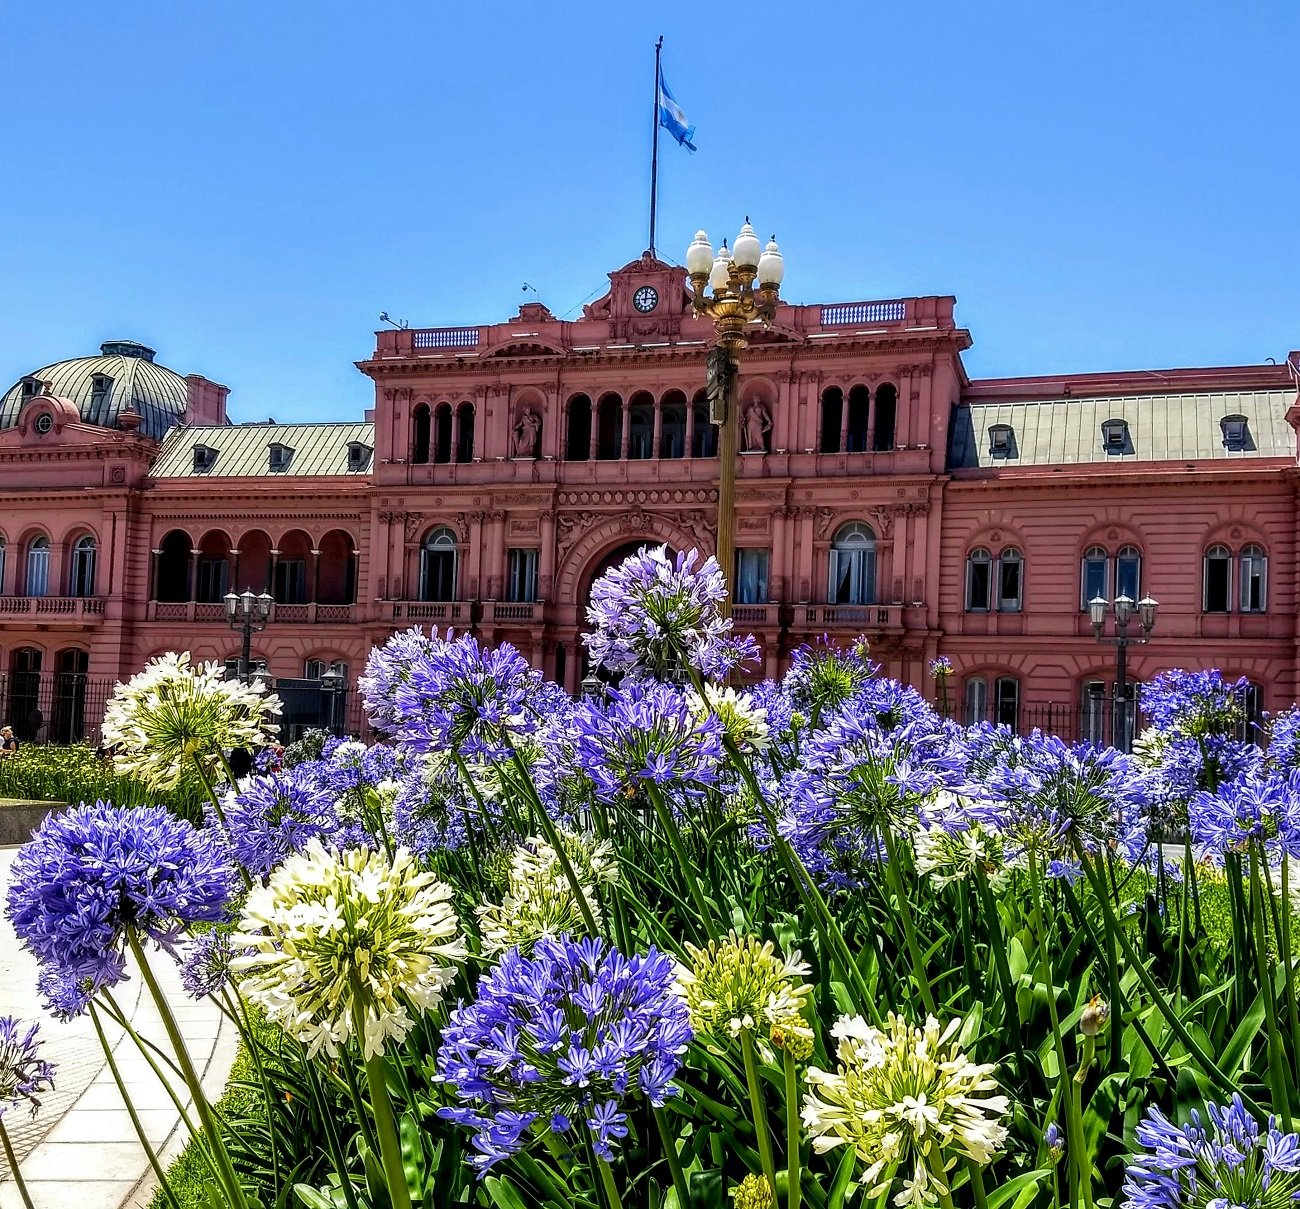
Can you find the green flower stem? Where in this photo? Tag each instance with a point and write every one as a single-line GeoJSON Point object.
{"type": "Point", "coordinates": [1010, 1008]}
{"type": "Point", "coordinates": [792, 1132]}
{"type": "Point", "coordinates": [149, 1151]}
{"type": "Point", "coordinates": [758, 1109]}
{"type": "Point", "coordinates": [556, 842]}
{"type": "Point", "coordinates": [1237, 911]}
{"type": "Point", "coordinates": [12, 1160]}
{"type": "Point", "coordinates": [211, 1128]}
{"type": "Point", "coordinates": [934, 1161]}
{"type": "Point", "coordinates": [381, 1107]}
{"type": "Point", "coordinates": [145, 1046]}
{"type": "Point", "coordinates": [113, 1010]}
{"type": "Point", "coordinates": [358, 1100]}
{"type": "Point", "coordinates": [1277, 1064]}
{"type": "Point", "coordinates": [977, 1183]}
{"type": "Point", "coordinates": [1080, 1177]}
{"type": "Point", "coordinates": [1207, 1064]}
{"type": "Point", "coordinates": [238, 1010]}
{"type": "Point", "coordinates": [674, 1160]}
{"type": "Point", "coordinates": [828, 928]}
{"type": "Point", "coordinates": [468, 781]}
{"type": "Point", "coordinates": [332, 1144]}
{"type": "Point", "coordinates": [208, 787]}
{"type": "Point", "coordinates": [909, 928]}
{"type": "Point", "coordinates": [1288, 957]}
{"type": "Point", "coordinates": [679, 851]}
{"type": "Point", "coordinates": [968, 941]}
{"type": "Point", "coordinates": [607, 1182]}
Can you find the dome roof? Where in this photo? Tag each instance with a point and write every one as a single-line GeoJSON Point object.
{"type": "Point", "coordinates": [124, 377]}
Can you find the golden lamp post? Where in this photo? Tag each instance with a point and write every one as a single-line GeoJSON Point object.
{"type": "Point", "coordinates": [733, 306]}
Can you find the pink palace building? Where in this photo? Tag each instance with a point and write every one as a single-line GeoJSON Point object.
{"type": "Point", "coordinates": [881, 491]}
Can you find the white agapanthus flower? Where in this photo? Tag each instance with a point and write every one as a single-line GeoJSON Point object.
{"type": "Point", "coordinates": [905, 1097]}
{"type": "Point", "coordinates": [539, 899]}
{"type": "Point", "coordinates": [337, 936]}
{"type": "Point", "coordinates": [171, 715]}
{"type": "Point", "coordinates": [950, 847]}
{"type": "Point", "coordinates": [743, 722]}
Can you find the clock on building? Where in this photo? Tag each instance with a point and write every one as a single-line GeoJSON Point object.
{"type": "Point", "coordinates": [646, 299]}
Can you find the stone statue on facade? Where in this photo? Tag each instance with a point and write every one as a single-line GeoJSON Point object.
{"type": "Point", "coordinates": [528, 432]}
{"type": "Point", "coordinates": [756, 424]}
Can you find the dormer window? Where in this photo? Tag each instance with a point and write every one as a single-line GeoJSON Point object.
{"type": "Point", "coordinates": [279, 457]}
{"type": "Point", "coordinates": [358, 455]}
{"type": "Point", "coordinates": [101, 387]}
{"type": "Point", "coordinates": [1002, 441]}
{"type": "Point", "coordinates": [1114, 436]}
{"type": "Point", "coordinates": [205, 457]}
{"type": "Point", "coordinates": [1236, 432]}
{"type": "Point", "coordinates": [32, 387]}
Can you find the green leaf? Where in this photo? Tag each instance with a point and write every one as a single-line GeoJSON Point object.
{"type": "Point", "coordinates": [840, 1185]}
{"type": "Point", "coordinates": [1024, 1188]}
{"type": "Point", "coordinates": [1247, 1031]}
{"type": "Point", "coordinates": [503, 1192]}
{"type": "Point", "coordinates": [311, 1198]}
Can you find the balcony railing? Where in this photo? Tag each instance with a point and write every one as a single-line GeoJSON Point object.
{"type": "Point", "coordinates": [201, 611]}
{"type": "Point", "coordinates": [444, 337]}
{"type": "Point", "coordinates": [846, 314]}
{"type": "Point", "coordinates": [443, 612]}
{"type": "Point", "coordinates": [761, 615]}
{"type": "Point", "coordinates": [863, 617]}
{"type": "Point", "coordinates": [495, 612]}
{"type": "Point", "coordinates": [47, 608]}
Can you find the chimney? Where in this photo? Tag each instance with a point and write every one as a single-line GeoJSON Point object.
{"type": "Point", "coordinates": [206, 401]}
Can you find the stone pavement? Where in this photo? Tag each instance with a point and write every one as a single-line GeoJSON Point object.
{"type": "Point", "coordinates": [81, 1151]}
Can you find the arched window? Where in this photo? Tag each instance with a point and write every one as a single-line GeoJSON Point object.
{"type": "Point", "coordinates": [578, 447]}
{"type": "Point", "coordinates": [672, 427]}
{"type": "Point", "coordinates": [420, 425]}
{"type": "Point", "coordinates": [1128, 573]}
{"type": "Point", "coordinates": [1254, 580]}
{"type": "Point", "coordinates": [705, 440]}
{"type": "Point", "coordinates": [2, 566]}
{"type": "Point", "coordinates": [438, 565]}
{"type": "Point", "coordinates": [856, 433]}
{"type": "Point", "coordinates": [976, 697]}
{"type": "Point", "coordinates": [1011, 580]}
{"type": "Point", "coordinates": [641, 427]}
{"type": "Point", "coordinates": [1218, 580]}
{"type": "Point", "coordinates": [832, 417]}
{"type": "Point", "coordinates": [1095, 577]}
{"type": "Point", "coordinates": [979, 580]}
{"type": "Point", "coordinates": [442, 433]}
{"type": "Point", "coordinates": [886, 416]}
{"type": "Point", "coordinates": [81, 575]}
{"type": "Point", "coordinates": [38, 567]}
{"type": "Point", "coordinates": [314, 669]}
{"type": "Point", "coordinates": [853, 566]}
{"type": "Point", "coordinates": [609, 417]}
{"type": "Point", "coordinates": [465, 435]}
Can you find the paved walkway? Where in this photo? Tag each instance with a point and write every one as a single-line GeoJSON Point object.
{"type": "Point", "coordinates": [81, 1151]}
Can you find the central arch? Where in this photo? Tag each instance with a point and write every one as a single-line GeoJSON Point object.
{"type": "Point", "coordinates": [593, 552]}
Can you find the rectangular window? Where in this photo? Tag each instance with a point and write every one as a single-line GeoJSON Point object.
{"type": "Point", "coordinates": [290, 581]}
{"type": "Point", "coordinates": [751, 576]}
{"type": "Point", "coordinates": [1007, 704]}
{"type": "Point", "coordinates": [977, 701]}
{"type": "Point", "coordinates": [210, 586]}
{"type": "Point", "coordinates": [1009, 585]}
{"type": "Point", "coordinates": [1093, 721]}
{"type": "Point", "coordinates": [1218, 593]}
{"type": "Point", "coordinates": [521, 582]}
{"type": "Point", "coordinates": [979, 572]}
{"type": "Point", "coordinates": [1253, 588]}
{"type": "Point", "coordinates": [1128, 573]}
{"type": "Point", "coordinates": [1096, 581]}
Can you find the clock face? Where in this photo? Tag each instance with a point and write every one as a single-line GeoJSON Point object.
{"type": "Point", "coordinates": [646, 299]}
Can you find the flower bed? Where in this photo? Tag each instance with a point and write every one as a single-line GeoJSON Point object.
{"type": "Point", "coordinates": [693, 945]}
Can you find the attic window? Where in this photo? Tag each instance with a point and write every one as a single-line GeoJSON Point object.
{"type": "Point", "coordinates": [205, 457]}
{"type": "Point", "coordinates": [1235, 432]}
{"type": "Point", "coordinates": [32, 387]}
{"type": "Point", "coordinates": [358, 455]}
{"type": "Point", "coordinates": [1002, 439]}
{"type": "Point", "coordinates": [1114, 436]}
{"type": "Point", "coordinates": [280, 456]}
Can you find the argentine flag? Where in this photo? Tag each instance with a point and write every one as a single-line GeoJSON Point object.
{"type": "Point", "coordinates": [671, 117]}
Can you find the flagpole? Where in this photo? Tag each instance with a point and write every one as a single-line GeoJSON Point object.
{"type": "Point", "coordinates": [654, 152]}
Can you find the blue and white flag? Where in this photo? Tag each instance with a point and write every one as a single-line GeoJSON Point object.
{"type": "Point", "coordinates": [671, 117]}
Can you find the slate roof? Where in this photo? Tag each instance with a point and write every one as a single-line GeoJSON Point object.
{"type": "Point", "coordinates": [243, 450]}
{"type": "Point", "coordinates": [1160, 428]}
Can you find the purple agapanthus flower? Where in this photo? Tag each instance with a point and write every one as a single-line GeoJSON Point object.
{"type": "Point", "coordinates": [823, 676]}
{"type": "Point", "coordinates": [205, 965]}
{"type": "Point", "coordinates": [1195, 703]}
{"type": "Point", "coordinates": [274, 816]}
{"type": "Point", "coordinates": [1284, 740]}
{"type": "Point", "coordinates": [566, 1036]}
{"type": "Point", "coordinates": [434, 810]}
{"type": "Point", "coordinates": [1230, 1162]}
{"type": "Point", "coordinates": [90, 874]}
{"type": "Point", "coordinates": [657, 616]}
{"type": "Point", "coordinates": [467, 699]}
{"type": "Point", "coordinates": [24, 1074]}
{"type": "Point", "coordinates": [1261, 806]}
{"type": "Point", "coordinates": [387, 669]}
{"type": "Point", "coordinates": [646, 732]}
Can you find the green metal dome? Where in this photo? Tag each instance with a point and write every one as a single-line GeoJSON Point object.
{"type": "Point", "coordinates": [124, 377]}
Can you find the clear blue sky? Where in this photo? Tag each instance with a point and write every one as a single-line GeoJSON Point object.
{"type": "Point", "coordinates": [245, 186]}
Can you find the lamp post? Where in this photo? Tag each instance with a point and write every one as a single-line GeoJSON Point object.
{"type": "Point", "coordinates": [1124, 608]}
{"type": "Point", "coordinates": [247, 612]}
{"type": "Point", "coordinates": [332, 684]}
{"type": "Point", "coordinates": [733, 305]}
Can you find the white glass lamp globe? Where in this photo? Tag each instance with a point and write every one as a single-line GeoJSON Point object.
{"type": "Point", "coordinates": [745, 251]}
{"type": "Point", "coordinates": [699, 256]}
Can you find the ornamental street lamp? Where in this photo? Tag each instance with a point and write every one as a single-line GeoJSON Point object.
{"type": "Point", "coordinates": [734, 304]}
{"type": "Point", "coordinates": [332, 686]}
{"type": "Point", "coordinates": [1124, 608]}
{"type": "Point", "coordinates": [249, 613]}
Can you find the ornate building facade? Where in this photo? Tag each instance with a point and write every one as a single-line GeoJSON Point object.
{"type": "Point", "coordinates": [503, 467]}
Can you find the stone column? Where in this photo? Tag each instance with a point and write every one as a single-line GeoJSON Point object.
{"type": "Point", "coordinates": [690, 428]}
{"type": "Point", "coordinates": [658, 428]}
{"type": "Point", "coordinates": [594, 443]}
{"type": "Point", "coordinates": [626, 434]}
{"type": "Point", "coordinates": [191, 573]}
{"type": "Point", "coordinates": [844, 421]}
{"type": "Point", "coordinates": [315, 577]}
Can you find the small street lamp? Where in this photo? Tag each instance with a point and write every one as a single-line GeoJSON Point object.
{"type": "Point", "coordinates": [734, 304]}
{"type": "Point", "coordinates": [1124, 608]}
{"type": "Point", "coordinates": [249, 613]}
{"type": "Point", "coordinates": [592, 688]}
{"type": "Point", "coordinates": [332, 685]}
